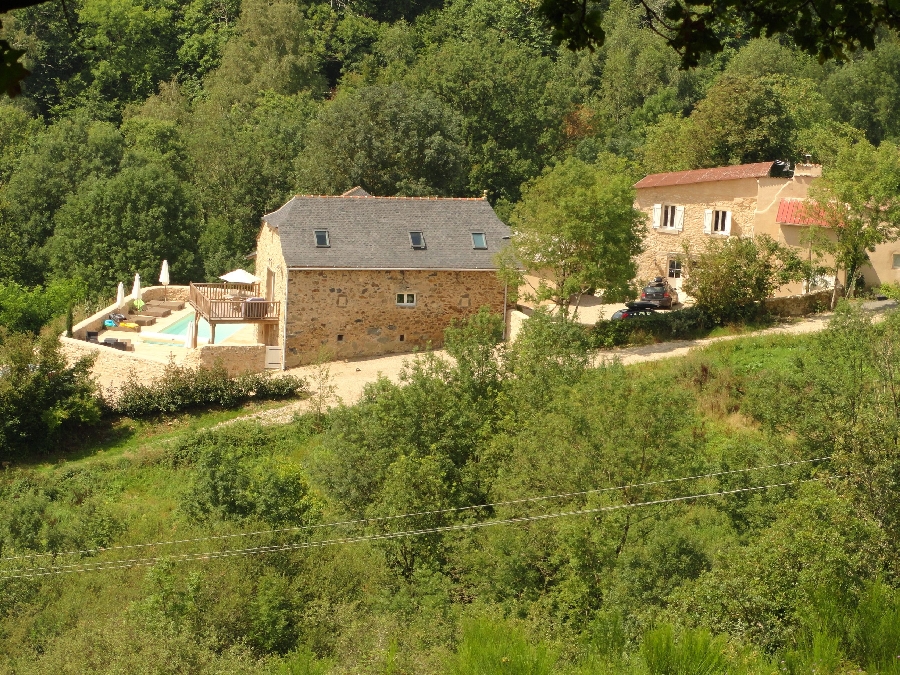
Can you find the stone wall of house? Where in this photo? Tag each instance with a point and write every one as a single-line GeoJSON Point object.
{"type": "Point", "coordinates": [353, 313]}
{"type": "Point", "coordinates": [800, 305]}
{"type": "Point", "coordinates": [269, 257]}
{"type": "Point", "coordinates": [737, 196]}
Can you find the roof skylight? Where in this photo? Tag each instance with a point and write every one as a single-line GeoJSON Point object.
{"type": "Point", "coordinates": [417, 239]}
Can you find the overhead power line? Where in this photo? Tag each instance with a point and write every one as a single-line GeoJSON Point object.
{"type": "Point", "coordinates": [367, 521]}
{"type": "Point", "coordinates": [227, 553]}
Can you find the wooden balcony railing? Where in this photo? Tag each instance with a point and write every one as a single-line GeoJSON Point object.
{"type": "Point", "coordinates": [233, 303]}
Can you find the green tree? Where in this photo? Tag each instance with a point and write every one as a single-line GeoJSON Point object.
{"type": "Point", "coordinates": [133, 47]}
{"type": "Point", "coordinates": [576, 228]}
{"type": "Point", "coordinates": [114, 227]}
{"type": "Point", "coordinates": [60, 159]}
{"type": "Point", "coordinates": [23, 309]}
{"type": "Point", "coordinates": [511, 115]}
{"type": "Point", "coordinates": [272, 50]}
{"type": "Point", "coordinates": [41, 396]}
{"type": "Point", "coordinates": [389, 140]}
{"type": "Point", "coordinates": [866, 92]}
{"type": "Point", "coordinates": [729, 279]}
{"type": "Point", "coordinates": [856, 200]}
{"type": "Point", "coordinates": [743, 119]}
{"type": "Point", "coordinates": [241, 160]}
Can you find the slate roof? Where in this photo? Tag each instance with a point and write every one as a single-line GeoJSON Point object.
{"type": "Point", "coordinates": [759, 170]}
{"type": "Point", "coordinates": [368, 232]}
{"type": "Point", "coordinates": [795, 212]}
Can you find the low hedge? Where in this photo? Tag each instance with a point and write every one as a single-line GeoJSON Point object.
{"type": "Point", "coordinates": [185, 388]}
{"type": "Point", "coordinates": [677, 325]}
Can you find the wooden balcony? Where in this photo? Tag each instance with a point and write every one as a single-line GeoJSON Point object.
{"type": "Point", "coordinates": [232, 303]}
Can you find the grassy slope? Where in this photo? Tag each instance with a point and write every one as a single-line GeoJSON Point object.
{"type": "Point", "coordinates": [125, 469]}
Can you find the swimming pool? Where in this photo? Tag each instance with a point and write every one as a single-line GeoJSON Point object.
{"type": "Point", "coordinates": [223, 330]}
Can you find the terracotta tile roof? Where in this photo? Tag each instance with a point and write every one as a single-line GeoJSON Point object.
{"type": "Point", "coordinates": [759, 170]}
{"type": "Point", "coordinates": [796, 212]}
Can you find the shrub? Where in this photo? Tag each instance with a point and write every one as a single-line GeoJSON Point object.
{"type": "Point", "coordinates": [41, 397]}
{"type": "Point", "coordinates": [695, 652]}
{"type": "Point", "coordinates": [488, 647]}
{"type": "Point", "coordinates": [234, 477]}
{"type": "Point", "coordinates": [729, 279]}
{"type": "Point", "coordinates": [185, 388]}
{"type": "Point", "coordinates": [677, 325]}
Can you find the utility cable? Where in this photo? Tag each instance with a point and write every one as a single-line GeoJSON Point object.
{"type": "Point", "coordinates": [227, 553]}
{"type": "Point", "coordinates": [363, 521]}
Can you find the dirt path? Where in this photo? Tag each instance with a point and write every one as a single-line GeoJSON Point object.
{"type": "Point", "coordinates": [349, 378]}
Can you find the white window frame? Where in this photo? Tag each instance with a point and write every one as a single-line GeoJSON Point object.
{"type": "Point", "coordinates": [894, 259]}
{"type": "Point", "coordinates": [327, 243]}
{"type": "Point", "coordinates": [677, 268]}
{"type": "Point", "coordinates": [668, 217]}
{"type": "Point", "coordinates": [406, 296]}
{"type": "Point", "coordinates": [717, 222]}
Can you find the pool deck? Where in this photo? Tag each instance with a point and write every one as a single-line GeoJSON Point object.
{"type": "Point", "coordinates": [165, 353]}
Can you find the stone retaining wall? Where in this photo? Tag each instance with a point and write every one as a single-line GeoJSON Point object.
{"type": "Point", "coordinates": [112, 367]}
{"type": "Point", "coordinates": [236, 359]}
{"type": "Point", "coordinates": [800, 305]}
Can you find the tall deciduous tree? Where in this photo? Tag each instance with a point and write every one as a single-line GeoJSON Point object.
{"type": "Point", "coordinates": [577, 229]}
{"type": "Point", "coordinates": [129, 223]}
{"type": "Point", "coordinates": [389, 140]}
{"type": "Point", "coordinates": [857, 198]}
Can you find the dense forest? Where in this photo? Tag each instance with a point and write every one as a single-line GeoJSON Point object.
{"type": "Point", "coordinates": [152, 130]}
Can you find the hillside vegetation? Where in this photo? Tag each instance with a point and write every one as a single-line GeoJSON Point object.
{"type": "Point", "coordinates": [793, 569]}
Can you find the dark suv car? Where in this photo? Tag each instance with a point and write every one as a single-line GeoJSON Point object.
{"type": "Point", "coordinates": [659, 293]}
{"type": "Point", "coordinates": [635, 309]}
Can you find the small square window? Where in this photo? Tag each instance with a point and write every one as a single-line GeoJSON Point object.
{"type": "Point", "coordinates": [406, 299]}
{"type": "Point", "coordinates": [896, 260]}
{"type": "Point", "coordinates": [402, 338]}
{"type": "Point", "coordinates": [340, 337]}
{"type": "Point", "coordinates": [479, 240]}
{"type": "Point", "coordinates": [322, 239]}
{"type": "Point", "coordinates": [417, 239]}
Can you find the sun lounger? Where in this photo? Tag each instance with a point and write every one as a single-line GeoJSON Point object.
{"type": "Point", "coordinates": [92, 336]}
{"type": "Point", "coordinates": [174, 305]}
{"type": "Point", "coordinates": [142, 320]}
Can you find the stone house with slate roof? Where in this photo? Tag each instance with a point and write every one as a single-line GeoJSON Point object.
{"type": "Point", "coordinates": [361, 276]}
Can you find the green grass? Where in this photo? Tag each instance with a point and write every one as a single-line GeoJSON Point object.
{"type": "Point", "coordinates": [124, 436]}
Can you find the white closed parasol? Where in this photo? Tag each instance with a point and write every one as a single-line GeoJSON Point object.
{"type": "Point", "coordinates": [164, 278]}
{"type": "Point", "coordinates": [136, 292]}
{"type": "Point", "coordinates": [239, 277]}
{"type": "Point", "coordinates": [120, 296]}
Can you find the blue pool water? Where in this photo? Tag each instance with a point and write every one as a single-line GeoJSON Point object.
{"type": "Point", "coordinates": [223, 330]}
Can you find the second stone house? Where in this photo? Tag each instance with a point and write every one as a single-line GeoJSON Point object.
{"type": "Point", "coordinates": [693, 207]}
{"type": "Point", "coordinates": [359, 275]}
